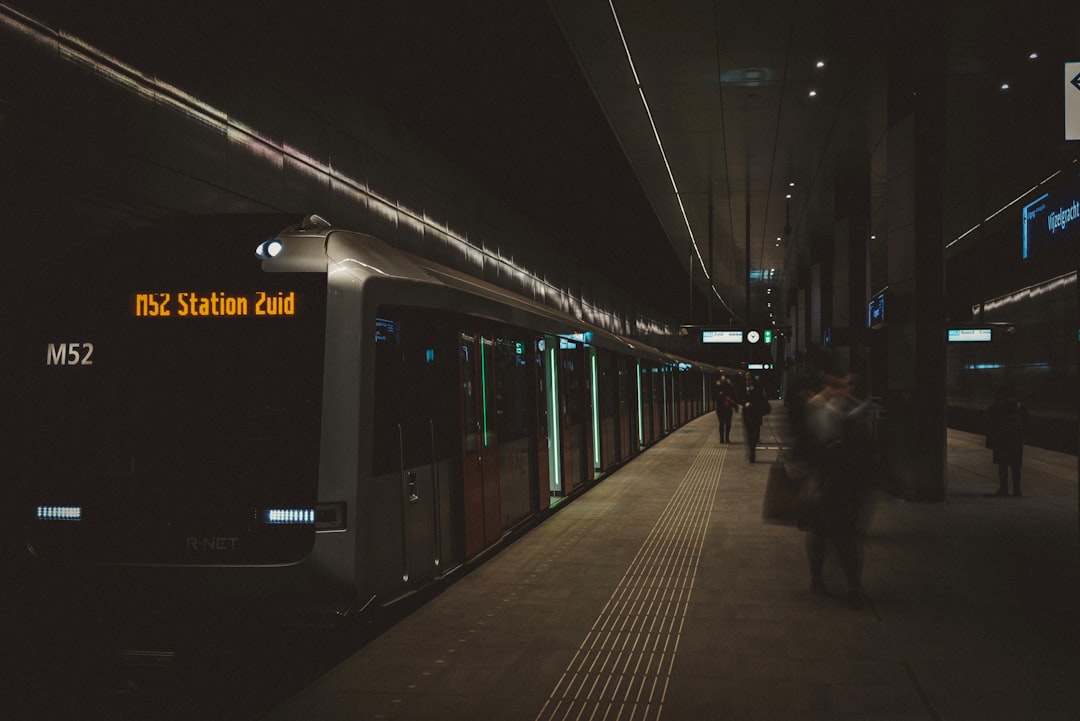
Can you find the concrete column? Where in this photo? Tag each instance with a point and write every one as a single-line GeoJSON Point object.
{"type": "Point", "coordinates": [915, 395]}
{"type": "Point", "coordinates": [851, 282]}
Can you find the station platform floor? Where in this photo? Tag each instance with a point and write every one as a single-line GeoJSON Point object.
{"type": "Point", "coordinates": [661, 594]}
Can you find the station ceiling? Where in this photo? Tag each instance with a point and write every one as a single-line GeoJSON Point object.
{"type": "Point", "coordinates": [739, 119]}
{"type": "Point", "coordinates": [657, 141]}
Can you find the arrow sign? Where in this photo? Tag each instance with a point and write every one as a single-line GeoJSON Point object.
{"type": "Point", "coordinates": [1072, 101]}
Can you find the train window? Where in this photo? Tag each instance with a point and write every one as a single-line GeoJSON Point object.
{"type": "Point", "coordinates": [415, 418]}
{"type": "Point", "coordinates": [515, 390]}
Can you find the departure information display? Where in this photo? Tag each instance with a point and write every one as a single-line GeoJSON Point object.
{"type": "Point", "coordinates": [970, 335]}
{"type": "Point", "coordinates": [721, 336]}
{"type": "Point", "coordinates": [217, 304]}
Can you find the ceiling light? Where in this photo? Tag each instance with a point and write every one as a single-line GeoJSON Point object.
{"type": "Point", "coordinates": [791, 184]}
{"type": "Point", "coordinates": [821, 63]}
{"type": "Point", "coordinates": [663, 152]}
{"type": "Point", "coordinates": [1033, 55]}
{"type": "Point", "coordinates": [813, 93]}
{"type": "Point", "coordinates": [1004, 86]}
{"type": "Point", "coordinates": [788, 196]}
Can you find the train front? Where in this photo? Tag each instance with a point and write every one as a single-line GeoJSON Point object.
{"type": "Point", "coordinates": [165, 410]}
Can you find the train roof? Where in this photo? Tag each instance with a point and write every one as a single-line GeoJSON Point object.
{"type": "Point", "coordinates": [314, 243]}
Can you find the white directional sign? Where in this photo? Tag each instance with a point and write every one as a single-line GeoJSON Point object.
{"type": "Point", "coordinates": [1072, 101]}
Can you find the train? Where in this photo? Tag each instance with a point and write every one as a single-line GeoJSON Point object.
{"type": "Point", "coordinates": [1025, 343]}
{"type": "Point", "coordinates": [224, 418]}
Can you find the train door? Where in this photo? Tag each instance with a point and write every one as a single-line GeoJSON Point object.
{"type": "Point", "coordinates": [414, 427]}
{"type": "Point", "coordinates": [659, 396]}
{"type": "Point", "coordinates": [513, 415]}
{"type": "Point", "coordinates": [575, 417]}
{"type": "Point", "coordinates": [666, 399]}
{"type": "Point", "coordinates": [645, 414]}
{"type": "Point", "coordinates": [543, 436]}
{"type": "Point", "coordinates": [608, 408]}
{"type": "Point", "coordinates": [480, 452]}
{"type": "Point", "coordinates": [627, 408]}
{"type": "Point", "coordinates": [549, 354]}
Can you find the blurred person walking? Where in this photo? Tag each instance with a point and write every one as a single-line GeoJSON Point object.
{"type": "Point", "coordinates": [839, 426]}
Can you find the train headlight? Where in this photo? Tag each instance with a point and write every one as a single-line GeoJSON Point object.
{"type": "Point", "coordinates": [59, 513]}
{"type": "Point", "coordinates": [288, 516]}
{"type": "Point", "coordinates": [269, 249]}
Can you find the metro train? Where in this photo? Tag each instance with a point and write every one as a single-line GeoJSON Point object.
{"type": "Point", "coordinates": [1028, 346]}
{"type": "Point", "coordinates": [212, 415]}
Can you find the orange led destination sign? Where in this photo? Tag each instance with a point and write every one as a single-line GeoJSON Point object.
{"type": "Point", "coordinates": [214, 305]}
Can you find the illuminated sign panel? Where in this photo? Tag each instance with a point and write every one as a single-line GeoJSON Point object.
{"type": "Point", "coordinates": [875, 311]}
{"type": "Point", "coordinates": [213, 305]}
{"type": "Point", "coordinates": [1050, 219]}
{"type": "Point", "coordinates": [721, 336]}
{"type": "Point", "coordinates": [969, 335]}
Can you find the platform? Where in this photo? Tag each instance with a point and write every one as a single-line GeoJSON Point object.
{"type": "Point", "coordinates": [661, 594]}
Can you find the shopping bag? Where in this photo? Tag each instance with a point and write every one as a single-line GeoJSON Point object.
{"type": "Point", "coordinates": [789, 494]}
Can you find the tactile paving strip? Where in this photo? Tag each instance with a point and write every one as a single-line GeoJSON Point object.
{"type": "Point", "coordinates": [622, 667]}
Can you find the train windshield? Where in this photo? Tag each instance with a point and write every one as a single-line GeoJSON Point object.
{"type": "Point", "coordinates": [170, 400]}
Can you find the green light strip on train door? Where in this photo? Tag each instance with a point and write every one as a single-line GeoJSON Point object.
{"type": "Point", "coordinates": [596, 411]}
{"type": "Point", "coordinates": [555, 459]}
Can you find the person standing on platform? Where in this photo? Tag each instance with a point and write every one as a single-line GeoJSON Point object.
{"type": "Point", "coordinates": [724, 396]}
{"type": "Point", "coordinates": [754, 407]}
{"type": "Point", "coordinates": [1006, 423]}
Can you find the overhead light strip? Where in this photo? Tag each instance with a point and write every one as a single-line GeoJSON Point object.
{"type": "Point", "coordinates": [663, 153]}
{"type": "Point", "coordinates": [1003, 208]}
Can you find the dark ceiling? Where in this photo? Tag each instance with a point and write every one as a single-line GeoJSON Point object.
{"type": "Point", "coordinates": [537, 100]}
{"type": "Point", "coordinates": [764, 110]}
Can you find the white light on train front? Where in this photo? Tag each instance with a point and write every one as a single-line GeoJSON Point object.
{"type": "Point", "coordinates": [269, 249]}
{"type": "Point", "coordinates": [291, 516]}
{"type": "Point", "coordinates": [59, 513]}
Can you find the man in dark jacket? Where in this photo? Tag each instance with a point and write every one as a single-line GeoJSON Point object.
{"type": "Point", "coordinates": [724, 397]}
{"type": "Point", "coordinates": [754, 407]}
{"type": "Point", "coordinates": [1006, 423]}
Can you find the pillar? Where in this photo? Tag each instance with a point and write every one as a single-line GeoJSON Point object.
{"type": "Point", "coordinates": [915, 386]}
